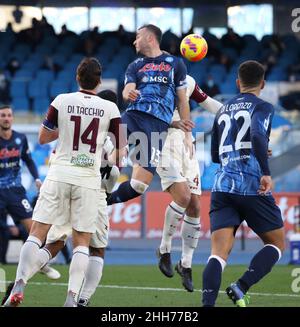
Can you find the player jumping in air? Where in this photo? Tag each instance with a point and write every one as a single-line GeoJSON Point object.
{"type": "Point", "coordinates": [180, 176]}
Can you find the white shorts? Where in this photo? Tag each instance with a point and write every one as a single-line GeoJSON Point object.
{"type": "Point", "coordinates": [61, 203]}
{"type": "Point", "coordinates": [99, 238]}
{"type": "Point", "coordinates": [177, 167]}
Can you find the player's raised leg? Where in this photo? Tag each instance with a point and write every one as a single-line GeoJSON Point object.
{"type": "Point", "coordinates": [138, 184]}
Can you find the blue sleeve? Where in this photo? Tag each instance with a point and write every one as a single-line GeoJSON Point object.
{"type": "Point", "coordinates": [26, 157]}
{"type": "Point", "coordinates": [180, 75]}
{"type": "Point", "coordinates": [261, 119]}
{"type": "Point", "coordinates": [261, 122]}
{"type": "Point", "coordinates": [215, 143]}
{"type": "Point", "coordinates": [130, 74]}
{"type": "Point", "coordinates": [260, 150]}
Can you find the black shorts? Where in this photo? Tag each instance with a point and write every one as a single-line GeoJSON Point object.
{"type": "Point", "coordinates": [229, 210]}
{"type": "Point", "coordinates": [14, 201]}
{"type": "Point", "coordinates": [147, 134]}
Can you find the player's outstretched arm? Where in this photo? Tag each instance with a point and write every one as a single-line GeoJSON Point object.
{"type": "Point", "coordinates": [205, 101]}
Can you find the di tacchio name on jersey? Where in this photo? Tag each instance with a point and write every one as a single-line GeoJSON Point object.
{"type": "Point", "coordinates": [85, 111]}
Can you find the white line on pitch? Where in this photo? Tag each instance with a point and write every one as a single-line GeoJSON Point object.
{"type": "Point", "coordinates": [156, 289]}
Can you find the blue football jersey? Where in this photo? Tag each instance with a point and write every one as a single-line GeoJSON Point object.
{"type": "Point", "coordinates": [239, 172]}
{"type": "Point", "coordinates": [157, 79]}
{"type": "Point", "coordinates": [11, 151]}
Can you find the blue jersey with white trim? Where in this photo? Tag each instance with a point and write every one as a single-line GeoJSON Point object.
{"type": "Point", "coordinates": [157, 79]}
{"type": "Point", "coordinates": [11, 151]}
{"type": "Point", "coordinates": [239, 172]}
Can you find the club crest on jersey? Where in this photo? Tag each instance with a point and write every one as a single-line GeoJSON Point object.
{"type": "Point", "coordinates": [162, 67]}
{"type": "Point", "coordinates": [18, 141]}
{"type": "Point", "coordinates": [82, 160]}
{"type": "Point", "coordinates": [225, 161]}
{"type": "Point", "coordinates": [169, 59]}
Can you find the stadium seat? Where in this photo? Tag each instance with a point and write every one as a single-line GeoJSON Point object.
{"type": "Point", "coordinates": [20, 104]}
{"type": "Point", "coordinates": [18, 88]}
{"type": "Point", "coordinates": [66, 75]}
{"type": "Point", "coordinates": [59, 86]}
{"type": "Point", "coordinates": [24, 73]}
{"type": "Point", "coordinates": [45, 75]}
{"type": "Point", "coordinates": [41, 105]}
{"type": "Point", "coordinates": [228, 87]}
{"type": "Point", "coordinates": [38, 88]}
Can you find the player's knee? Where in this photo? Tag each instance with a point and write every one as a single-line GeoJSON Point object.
{"type": "Point", "coordinates": [97, 252]}
{"type": "Point", "coordinates": [222, 260]}
{"type": "Point", "coordinates": [55, 247]}
{"type": "Point", "coordinates": [193, 209]}
{"type": "Point", "coordinates": [281, 245]}
{"type": "Point", "coordinates": [138, 186]}
{"type": "Point", "coordinates": [183, 199]}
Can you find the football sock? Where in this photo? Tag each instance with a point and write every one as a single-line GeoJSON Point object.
{"type": "Point", "coordinates": [43, 257]}
{"type": "Point", "coordinates": [29, 258]}
{"type": "Point", "coordinates": [92, 277]}
{"type": "Point", "coordinates": [78, 268]}
{"type": "Point", "coordinates": [211, 279]}
{"type": "Point", "coordinates": [124, 193]}
{"type": "Point", "coordinates": [190, 233]}
{"type": "Point", "coordinates": [173, 215]}
{"type": "Point", "coordinates": [261, 264]}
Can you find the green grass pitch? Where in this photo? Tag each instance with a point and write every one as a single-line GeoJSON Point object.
{"type": "Point", "coordinates": [145, 286]}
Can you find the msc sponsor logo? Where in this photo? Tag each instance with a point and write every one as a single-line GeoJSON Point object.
{"type": "Point", "coordinates": [158, 79]}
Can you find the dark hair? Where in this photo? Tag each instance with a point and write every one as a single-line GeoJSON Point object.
{"type": "Point", "coordinates": [4, 106]}
{"type": "Point", "coordinates": [251, 73]}
{"type": "Point", "coordinates": [109, 95]}
{"type": "Point", "coordinates": [154, 30]}
{"type": "Point", "coordinates": [89, 73]}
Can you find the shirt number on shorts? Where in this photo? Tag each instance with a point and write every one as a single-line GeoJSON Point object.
{"type": "Point", "coordinates": [26, 205]}
{"type": "Point", "coordinates": [155, 154]}
{"type": "Point", "coordinates": [85, 137]}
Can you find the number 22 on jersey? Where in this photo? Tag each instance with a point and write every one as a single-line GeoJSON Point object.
{"type": "Point", "coordinates": [238, 143]}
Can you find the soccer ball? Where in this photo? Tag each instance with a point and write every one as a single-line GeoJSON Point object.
{"type": "Point", "coordinates": [193, 47]}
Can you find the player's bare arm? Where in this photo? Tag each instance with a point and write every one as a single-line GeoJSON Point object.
{"type": "Point", "coordinates": [47, 136]}
{"type": "Point", "coordinates": [130, 93]}
{"type": "Point", "coordinates": [184, 112]}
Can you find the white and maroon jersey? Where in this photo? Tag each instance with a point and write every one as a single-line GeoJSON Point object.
{"type": "Point", "coordinates": [176, 133]}
{"type": "Point", "coordinates": [83, 121]}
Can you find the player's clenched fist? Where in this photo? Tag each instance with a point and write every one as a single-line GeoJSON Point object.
{"type": "Point", "coordinates": [133, 95]}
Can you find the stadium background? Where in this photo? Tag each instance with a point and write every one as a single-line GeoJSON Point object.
{"type": "Point", "coordinates": [39, 61]}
